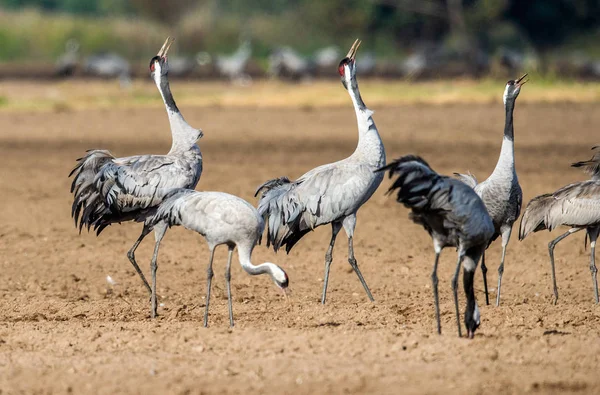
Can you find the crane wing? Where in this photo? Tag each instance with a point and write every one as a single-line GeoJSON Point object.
{"type": "Point", "coordinates": [592, 166]}
{"type": "Point", "coordinates": [110, 189]}
{"type": "Point", "coordinates": [576, 204]}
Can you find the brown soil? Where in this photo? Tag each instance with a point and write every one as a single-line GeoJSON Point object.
{"type": "Point", "coordinates": [64, 329]}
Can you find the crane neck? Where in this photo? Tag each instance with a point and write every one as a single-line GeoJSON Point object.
{"type": "Point", "coordinates": [370, 147]}
{"type": "Point", "coordinates": [245, 254]}
{"type": "Point", "coordinates": [509, 107]}
{"type": "Point", "coordinates": [184, 137]}
{"type": "Point", "coordinates": [506, 161]}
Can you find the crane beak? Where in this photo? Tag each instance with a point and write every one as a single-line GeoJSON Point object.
{"type": "Point", "coordinates": [352, 53]}
{"type": "Point", "coordinates": [165, 48]}
{"type": "Point", "coordinates": [522, 81]}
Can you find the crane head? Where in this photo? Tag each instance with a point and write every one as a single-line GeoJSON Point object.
{"type": "Point", "coordinates": [513, 87]}
{"type": "Point", "coordinates": [158, 64]}
{"type": "Point", "coordinates": [347, 66]}
{"type": "Point", "coordinates": [472, 321]}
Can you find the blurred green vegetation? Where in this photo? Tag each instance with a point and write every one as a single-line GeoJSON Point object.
{"type": "Point", "coordinates": [39, 29]}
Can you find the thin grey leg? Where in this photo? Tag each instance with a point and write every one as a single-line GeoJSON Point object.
{"type": "Point", "coordinates": [484, 272]}
{"type": "Point", "coordinates": [455, 292]}
{"type": "Point", "coordinates": [131, 256]}
{"type": "Point", "coordinates": [593, 237]}
{"type": "Point", "coordinates": [159, 233]}
{"type": "Point", "coordinates": [228, 281]}
{"type": "Point", "coordinates": [551, 246]}
{"type": "Point", "coordinates": [505, 239]}
{"type": "Point", "coordinates": [335, 229]}
{"type": "Point", "coordinates": [436, 299]}
{"type": "Point", "coordinates": [209, 276]}
{"type": "Point", "coordinates": [354, 265]}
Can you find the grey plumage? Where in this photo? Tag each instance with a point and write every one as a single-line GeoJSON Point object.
{"type": "Point", "coordinates": [331, 193]}
{"type": "Point", "coordinates": [453, 215]}
{"type": "Point", "coordinates": [220, 218]}
{"type": "Point", "coordinates": [501, 191]}
{"type": "Point", "coordinates": [592, 166]}
{"type": "Point", "coordinates": [111, 190]}
{"type": "Point", "coordinates": [576, 205]}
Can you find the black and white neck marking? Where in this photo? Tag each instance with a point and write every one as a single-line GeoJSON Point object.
{"type": "Point", "coordinates": [162, 83]}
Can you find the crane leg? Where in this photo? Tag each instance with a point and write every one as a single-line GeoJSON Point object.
{"type": "Point", "coordinates": [335, 229]}
{"type": "Point", "coordinates": [505, 239]}
{"type": "Point", "coordinates": [354, 265]}
{"type": "Point", "coordinates": [159, 233]}
{"type": "Point", "coordinates": [484, 272]}
{"type": "Point", "coordinates": [436, 299]}
{"type": "Point", "coordinates": [131, 256]}
{"type": "Point", "coordinates": [455, 291]}
{"type": "Point", "coordinates": [551, 246]}
{"type": "Point", "coordinates": [228, 281]}
{"type": "Point", "coordinates": [209, 276]}
{"type": "Point", "coordinates": [593, 234]}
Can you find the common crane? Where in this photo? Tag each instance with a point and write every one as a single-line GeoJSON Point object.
{"type": "Point", "coordinates": [328, 194]}
{"type": "Point", "coordinates": [501, 192]}
{"type": "Point", "coordinates": [454, 216]}
{"type": "Point", "coordinates": [220, 218]}
{"type": "Point", "coordinates": [576, 205]}
{"type": "Point", "coordinates": [111, 190]}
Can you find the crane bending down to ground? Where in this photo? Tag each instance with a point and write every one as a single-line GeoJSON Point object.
{"type": "Point", "coordinates": [221, 219]}
{"type": "Point", "coordinates": [109, 190]}
{"type": "Point", "coordinates": [501, 192]}
{"type": "Point", "coordinates": [576, 205]}
{"type": "Point", "coordinates": [328, 194]}
{"type": "Point", "coordinates": [455, 216]}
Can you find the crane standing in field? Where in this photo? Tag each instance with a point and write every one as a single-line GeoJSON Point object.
{"type": "Point", "coordinates": [108, 190]}
{"type": "Point", "coordinates": [454, 216]}
{"type": "Point", "coordinates": [576, 205]}
{"type": "Point", "coordinates": [328, 194]}
{"type": "Point", "coordinates": [501, 192]}
{"type": "Point", "coordinates": [220, 218]}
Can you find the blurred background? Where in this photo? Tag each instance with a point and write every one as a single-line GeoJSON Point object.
{"type": "Point", "coordinates": [297, 40]}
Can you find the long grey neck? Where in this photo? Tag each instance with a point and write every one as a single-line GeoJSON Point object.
{"type": "Point", "coordinates": [165, 91]}
{"type": "Point", "coordinates": [508, 123]}
{"type": "Point", "coordinates": [506, 161]}
{"type": "Point", "coordinates": [184, 137]}
{"type": "Point", "coordinates": [370, 147]}
{"type": "Point", "coordinates": [244, 255]}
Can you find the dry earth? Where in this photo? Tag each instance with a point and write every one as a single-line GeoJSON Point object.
{"type": "Point", "coordinates": [64, 329]}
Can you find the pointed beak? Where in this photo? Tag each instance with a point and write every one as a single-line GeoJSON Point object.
{"type": "Point", "coordinates": [286, 294]}
{"type": "Point", "coordinates": [470, 334]}
{"type": "Point", "coordinates": [165, 48]}
{"type": "Point", "coordinates": [522, 81]}
{"type": "Point", "coordinates": [352, 53]}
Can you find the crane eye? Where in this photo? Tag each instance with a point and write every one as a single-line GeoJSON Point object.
{"type": "Point", "coordinates": [152, 66]}
{"type": "Point", "coordinates": [341, 70]}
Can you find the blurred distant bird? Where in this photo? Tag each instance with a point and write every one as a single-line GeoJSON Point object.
{"type": "Point", "coordinates": [576, 205]}
{"type": "Point", "coordinates": [220, 218]}
{"type": "Point", "coordinates": [285, 62]}
{"type": "Point", "coordinates": [233, 66]}
{"type": "Point", "coordinates": [454, 216]}
{"type": "Point", "coordinates": [501, 192]}
{"type": "Point", "coordinates": [328, 194]}
{"type": "Point", "coordinates": [111, 190]}
{"type": "Point", "coordinates": [67, 63]}
{"type": "Point", "coordinates": [327, 57]}
{"type": "Point", "coordinates": [108, 65]}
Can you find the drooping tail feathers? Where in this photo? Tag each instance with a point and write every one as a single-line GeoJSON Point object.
{"type": "Point", "coordinates": [592, 166]}
{"type": "Point", "coordinates": [86, 191]}
{"type": "Point", "coordinates": [534, 217]}
{"type": "Point", "coordinates": [169, 209]}
{"type": "Point", "coordinates": [416, 182]}
{"type": "Point", "coordinates": [283, 211]}
{"type": "Point", "coordinates": [468, 179]}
